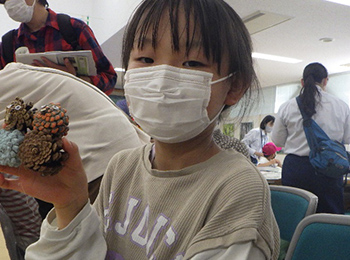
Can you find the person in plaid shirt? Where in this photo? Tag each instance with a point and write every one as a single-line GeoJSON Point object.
{"type": "Point", "coordinates": [39, 32]}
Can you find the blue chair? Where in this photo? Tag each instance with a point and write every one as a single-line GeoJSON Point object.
{"type": "Point", "coordinates": [290, 205]}
{"type": "Point", "coordinates": [321, 237]}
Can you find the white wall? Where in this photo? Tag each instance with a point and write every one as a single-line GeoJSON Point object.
{"type": "Point", "coordinates": [6, 22]}
{"type": "Point", "coordinates": [110, 16]}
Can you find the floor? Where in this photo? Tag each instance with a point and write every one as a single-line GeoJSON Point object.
{"type": "Point", "coordinates": [3, 250]}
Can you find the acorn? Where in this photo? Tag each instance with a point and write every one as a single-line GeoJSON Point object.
{"type": "Point", "coordinates": [42, 152]}
{"type": "Point", "coordinates": [51, 119]}
{"type": "Point", "coordinates": [19, 115]}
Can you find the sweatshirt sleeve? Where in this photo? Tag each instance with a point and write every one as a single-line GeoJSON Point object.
{"type": "Point", "coordinates": [242, 251]}
{"type": "Point", "coordinates": [81, 239]}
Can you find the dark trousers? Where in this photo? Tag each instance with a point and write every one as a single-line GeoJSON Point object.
{"type": "Point", "coordinates": [254, 160]}
{"type": "Point", "coordinates": [298, 172]}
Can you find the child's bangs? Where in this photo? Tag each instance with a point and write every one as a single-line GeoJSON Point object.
{"type": "Point", "coordinates": [205, 33]}
{"type": "Point", "coordinates": [168, 10]}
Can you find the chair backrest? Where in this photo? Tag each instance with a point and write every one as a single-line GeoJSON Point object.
{"type": "Point", "coordinates": [321, 237]}
{"type": "Point", "coordinates": [290, 205]}
{"type": "Point", "coordinates": [96, 123]}
{"type": "Point", "coordinates": [9, 235]}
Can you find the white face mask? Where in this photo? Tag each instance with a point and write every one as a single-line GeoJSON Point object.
{"type": "Point", "coordinates": [268, 129]}
{"type": "Point", "coordinates": [19, 11]}
{"type": "Point", "coordinates": [169, 103]}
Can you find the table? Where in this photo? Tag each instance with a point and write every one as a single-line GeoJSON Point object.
{"type": "Point", "coordinates": [272, 174]}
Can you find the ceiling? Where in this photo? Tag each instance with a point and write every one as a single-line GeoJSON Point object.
{"type": "Point", "coordinates": [298, 38]}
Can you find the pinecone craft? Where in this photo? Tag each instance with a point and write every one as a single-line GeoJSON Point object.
{"type": "Point", "coordinates": [51, 119]}
{"type": "Point", "coordinates": [9, 146]}
{"type": "Point", "coordinates": [18, 115]}
{"type": "Point", "coordinates": [42, 152]}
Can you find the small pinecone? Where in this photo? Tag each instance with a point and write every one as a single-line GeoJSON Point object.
{"type": "Point", "coordinates": [19, 115]}
{"type": "Point", "coordinates": [51, 119]}
{"type": "Point", "coordinates": [9, 145]}
{"type": "Point", "coordinates": [41, 152]}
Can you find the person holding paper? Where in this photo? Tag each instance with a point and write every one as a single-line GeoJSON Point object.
{"type": "Point", "coordinates": [39, 32]}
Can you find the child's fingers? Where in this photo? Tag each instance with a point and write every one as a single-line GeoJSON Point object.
{"type": "Point", "coordinates": [9, 170]}
{"type": "Point", "coordinates": [72, 149]}
{"type": "Point", "coordinates": [17, 171]}
{"type": "Point", "coordinates": [10, 184]}
{"type": "Point", "coordinates": [68, 146]}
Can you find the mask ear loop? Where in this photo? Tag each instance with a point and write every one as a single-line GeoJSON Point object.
{"type": "Point", "coordinates": [222, 79]}
{"type": "Point", "coordinates": [217, 81]}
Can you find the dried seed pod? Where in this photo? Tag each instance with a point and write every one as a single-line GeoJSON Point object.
{"type": "Point", "coordinates": [51, 119]}
{"type": "Point", "coordinates": [19, 115]}
{"type": "Point", "coordinates": [42, 152]}
{"type": "Point", "coordinates": [9, 145]}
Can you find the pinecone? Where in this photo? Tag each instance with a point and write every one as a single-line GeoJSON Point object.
{"type": "Point", "coordinates": [9, 145]}
{"type": "Point", "coordinates": [19, 115]}
{"type": "Point", "coordinates": [51, 119]}
{"type": "Point", "coordinates": [42, 152]}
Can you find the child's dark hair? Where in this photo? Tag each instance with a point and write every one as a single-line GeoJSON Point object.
{"type": "Point", "coordinates": [266, 120]}
{"type": "Point", "coordinates": [313, 73]}
{"type": "Point", "coordinates": [43, 2]}
{"type": "Point", "coordinates": [221, 32]}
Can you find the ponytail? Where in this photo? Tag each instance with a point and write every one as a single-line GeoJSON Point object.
{"type": "Point", "coordinates": [313, 73]}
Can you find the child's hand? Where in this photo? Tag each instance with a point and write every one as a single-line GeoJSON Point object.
{"type": "Point", "coordinates": [67, 190]}
{"type": "Point", "coordinates": [278, 162]}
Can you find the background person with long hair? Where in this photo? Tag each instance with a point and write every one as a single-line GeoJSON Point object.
{"type": "Point", "coordinates": [333, 116]}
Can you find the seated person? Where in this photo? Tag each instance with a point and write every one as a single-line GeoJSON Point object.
{"type": "Point", "coordinates": [269, 159]}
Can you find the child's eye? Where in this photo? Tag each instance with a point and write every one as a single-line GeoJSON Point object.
{"type": "Point", "coordinates": [146, 60]}
{"type": "Point", "coordinates": [192, 63]}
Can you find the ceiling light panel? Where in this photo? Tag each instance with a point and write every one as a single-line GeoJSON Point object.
{"type": "Point", "coordinates": [342, 2]}
{"type": "Point", "coordinates": [263, 56]}
{"type": "Point", "coordinates": [260, 21]}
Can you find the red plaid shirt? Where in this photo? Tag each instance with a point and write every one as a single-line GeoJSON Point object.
{"type": "Point", "coordinates": [48, 38]}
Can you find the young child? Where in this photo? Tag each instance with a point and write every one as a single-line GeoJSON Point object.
{"type": "Point", "coordinates": [269, 159]}
{"type": "Point", "coordinates": [181, 197]}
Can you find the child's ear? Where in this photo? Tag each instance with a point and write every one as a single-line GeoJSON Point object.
{"type": "Point", "coordinates": [235, 93]}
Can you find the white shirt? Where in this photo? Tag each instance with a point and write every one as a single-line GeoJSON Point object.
{"type": "Point", "coordinates": [332, 115]}
{"type": "Point", "coordinates": [255, 139]}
